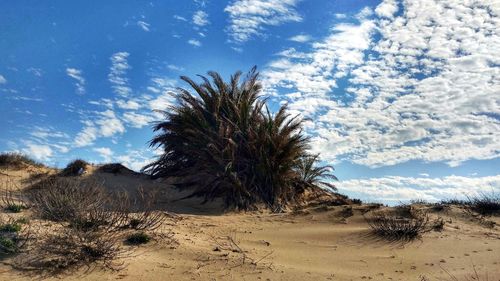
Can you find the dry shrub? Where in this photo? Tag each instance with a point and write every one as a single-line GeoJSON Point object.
{"type": "Point", "coordinates": [75, 168]}
{"type": "Point", "coordinates": [485, 204]}
{"type": "Point", "coordinates": [71, 249]}
{"type": "Point", "coordinates": [145, 215]}
{"type": "Point", "coordinates": [397, 228]}
{"type": "Point", "coordinates": [91, 225]}
{"type": "Point", "coordinates": [17, 160]}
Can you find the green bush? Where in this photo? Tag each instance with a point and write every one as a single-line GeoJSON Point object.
{"type": "Point", "coordinates": [224, 141]}
{"type": "Point", "coordinates": [138, 238]}
{"type": "Point", "coordinates": [10, 227]}
{"type": "Point", "coordinates": [7, 245]}
{"type": "Point", "coordinates": [14, 208]}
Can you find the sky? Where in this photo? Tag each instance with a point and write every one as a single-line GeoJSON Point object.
{"type": "Point", "coordinates": [402, 97]}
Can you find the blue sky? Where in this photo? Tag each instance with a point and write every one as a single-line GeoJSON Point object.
{"type": "Point", "coordinates": [403, 98]}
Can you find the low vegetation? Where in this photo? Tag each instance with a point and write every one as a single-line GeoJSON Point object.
{"type": "Point", "coordinates": [138, 238]}
{"type": "Point", "coordinates": [88, 229]}
{"type": "Point", "coordinates": [75, 168]}
{"type": "Point", "coordinates": [224, 142]}
{"type": "Point", "coordinates": [13, 160]}
{"type": "Point", "coordinates": [485, 204]}
{"type": "Point", "coordinates": [398, 228]}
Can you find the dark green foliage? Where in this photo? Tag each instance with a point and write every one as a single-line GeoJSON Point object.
{"type": "Point", "coordinates": [74, 168]}
{"type": "Point", "coordinates": [23, 220]}
{"type": "Point", "coordinates": [17, 160]}
{"type": "Point", "coordinates": [138, 238]}
{"type": "Point", "coordinates": [10, 227]}
{"type": "Point", "coordinates": [226, 143]}
{"type": "Point", "coordinates": [14, 208]}
{"type": "Point", "coordinates": [7, 245]}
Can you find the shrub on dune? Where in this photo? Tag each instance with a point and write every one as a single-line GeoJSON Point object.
{"type": "Point", "coordinates": [226, 143]}
{"type": "Point", "coordinates": [75, 168]}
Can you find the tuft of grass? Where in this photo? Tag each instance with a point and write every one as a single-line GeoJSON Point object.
{"type": "Point", "coordinates": [396, 228]}
{"type": "Point", "coordinates": [75, 168]}
{"type": "Point", "coordinates": [10, 227]}
{"type": "Point", "coordinates": [138, 238]}
{"type": "Point", "coordinates": [7, 245]}
{"type": "Point", "coordinates": [14, 208]}
{"type": "Point", "coordinates": [485, 204]}
{"type": "Point", "coordinates": [22, 220]}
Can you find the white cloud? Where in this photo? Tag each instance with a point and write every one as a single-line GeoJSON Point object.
{"type": "Point", "coordinates": [301, 38]}
{"type": "Point", "coordinates": [248, 17]}
{"type": "Point", "coordinates": [80, 81]}
{"type": "Point", "coordinates": [200, 18]}
{"type": "Point", "coordinates": [38, 151]}
{"type": "Point", "coordinates": [194, 42]}
{"type": "Point", "coordinates": [179, 18]}
{"type": "Point", "coordinates": [395, 189]}
{"type": "Point", "coordinates": [387, 9]}
{"type": "Point", "coordinates": [137, 120]}
{"type": "Point", "coordinates": [118, 70]}
{"type": "Point", "coordinates": [2, 79]}
{"type": "Point", "coordinates": [106, 124]}
{"type": "Point", "coordinates": [86, 137]}
{"type": "Point", "coordinates": [427, 90]}
{"type": "Point", "coordinates": [175, 67]}
{"type": "Point", "coordinates": [144, 25]}
{"type": "Point", "coordinates": [105, 152]}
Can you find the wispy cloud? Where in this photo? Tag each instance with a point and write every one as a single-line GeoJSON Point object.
{"type": "Point", "coordinates": [106, 124]}
{"type": "Point", "coordinates": [39, 151]}
{"type": "Point", "coordinates": [194, 42]}
{"type": "Point", "coordinates": [301, 38]}
{"type": "Point", "coordinates": [175, 67]}
{"type": "Point", "coordinates": [248, 18]}
{"type": "Point", "coordinates": [179, 18]}
{"type": "Point", "coordinates": [105, 152]}
{"type": "Point", "coordinates": [118, 70]}
{"type": "Point", "coordinates": [144, 25]}
{"type": "Point", "coordinates": [80, 81]}
{"type": "Point", "coordinates": [200, 18]}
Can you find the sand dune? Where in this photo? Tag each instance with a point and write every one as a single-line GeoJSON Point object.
{"type": "Point", "coordinates": [320, 243]}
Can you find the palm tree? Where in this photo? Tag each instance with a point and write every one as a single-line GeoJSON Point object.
{"type": "Point", "coordinates": [224, 142]}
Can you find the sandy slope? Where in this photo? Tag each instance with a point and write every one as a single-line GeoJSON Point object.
{"type": "Point", "coordinates": [315, 244]}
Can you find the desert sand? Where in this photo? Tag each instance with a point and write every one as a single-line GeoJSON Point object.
{"type": "Point", "coordinates": [315, 243]}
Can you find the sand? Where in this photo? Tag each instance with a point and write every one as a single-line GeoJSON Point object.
{"type": "Point", "coordinates": [314, 244]}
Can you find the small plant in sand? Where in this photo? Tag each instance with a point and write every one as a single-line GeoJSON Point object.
{"type": "Point", "coordinates": [223, 141]}
{"type": "Point", "coordinates": [13, 236]}
{"type": "Point", "coordinates": [11, 199]}
{"type": "Point", "coordinates": [138, 238]}
{"type": "Point", "coordinates": [75, 168]}
{"type": "Point", "coordinates": [398, 228]}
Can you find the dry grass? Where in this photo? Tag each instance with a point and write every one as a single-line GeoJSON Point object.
{"type": "Point", "coordinates": [15, 160]}
{"type": "Point", "coordinates": [90, 226]}
{"type": "Point", "coordinates": [397, 228]}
